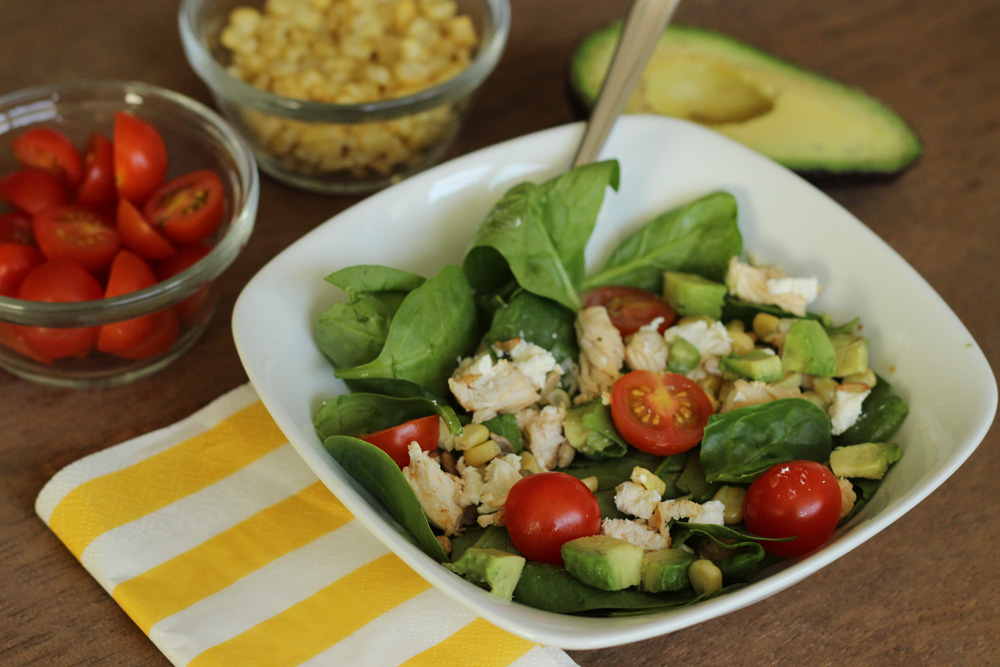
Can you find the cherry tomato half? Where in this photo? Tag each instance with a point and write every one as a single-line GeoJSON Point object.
{"type": "Point", "coordinates": [97, 189]}
{"type": "Point", "coordinates": [138, 235]}
{"type": "Point", "coordinates": [396, 440]}
{"type": "Point", "coordinates": [630, 308]}
{"type": "Point", "coordinates": [660, 413]}
{"type": "Point", "coordinates": [545, 510]}
{"type": "Point", "coordinates": [59, 281]}
{"type": "Point", "coordinates": [129, 273]}
{"type": "Point", "coordinates": [16, 227]}
{"type": "Point", "coordinates": [189, 208]}
{"type": "Point", "coordinates": [31, 190]}
{"type": "Point", "coordinates": [49, 150]}
{"type": "Point", "coordinates": [165, 333]}
{"type": "Point", "coordinates": [195, 307]}
{"type": "Point", "coordinates": [799, 499]}
{"type": "Point", "coordinates": [16, 261]}
{"type": "Point", "coordinates": [140, 157]}
{"type": "Point", "coordinates": [77, 234]}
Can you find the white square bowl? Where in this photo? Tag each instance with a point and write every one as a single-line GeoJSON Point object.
{"type": "Point", "coordinates": [917, 342]}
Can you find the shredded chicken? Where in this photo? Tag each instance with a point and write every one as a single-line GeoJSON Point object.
{"type": "Point", "coordinates": [672, 510]}
{"type": "Point", "coordinates": [847, 496]}
{"type": "Point", "coordinates": [602, 352]}
{"type": "Point", "coordinates": [543, 430]}
{"type": "Point", "coordinates": [752, 392]}
{"type": "Point", "coordinates": [435, 489]}
{"type": "Point", "coordinates": [486, 388]}
{"type": "Point", "coordinates": [636, 532]}
{"type": "Point", "coordinates": [635, 499]}
{"type": "Point", "coordinates": [770, 285]}
{"type": "Point", "coordinates": [647, 350]}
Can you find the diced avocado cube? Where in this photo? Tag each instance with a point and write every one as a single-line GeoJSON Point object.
{"type": "Point", "coordinates": [603, 562]}
{"type": "Point", "coordinates": [759, 365]}
{"type": "Point", "coordinates": [684, 356]}
{"type": "Point", "coordinates": [869, 460]}
{"type": "Point", "coordinates": [851, 354]}
{"type": "Point", "coordinates": [499, 570]}
{"type": "Point", "coordinates": [690, 294]}
{"type": "Point", "coordinates": [666, 570]}
{"type": "Point", "coordinates": [807, 349]}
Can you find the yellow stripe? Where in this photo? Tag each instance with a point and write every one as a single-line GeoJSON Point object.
{"type": "Point", "coordinates": [480, 643]}
{"type": "Point", "coordinates": [112, 500]}
{"type": "Point", "coordinates": [320, 621]}
{"type": "Point", "coordinates": [211, 566]}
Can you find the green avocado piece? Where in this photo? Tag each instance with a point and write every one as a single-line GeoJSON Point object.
{"type": "Point", "coordinates": [807, 349]}
{"type": "Point", "coordinates": [683, 356]}
{"type": "Point", "coordinates": [666, 570]}
{"type": "Point", "coordinates": [603, 562]}
{"type": "Point", "coordinates": [691, 295]}
{"type": "Point", "coordinates": [851, 353]}
{"type": "Point", "coordinates": [795, 116]}
{"type": "Point", "coordinates": [869, 460]}
{"type": "Point", "coordinates": [500, 570]}
{"type": "Point", "coordinates": [759, 365]}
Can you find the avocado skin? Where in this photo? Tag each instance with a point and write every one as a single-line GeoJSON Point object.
{"type": "Point", "coordinates": [877, 142]}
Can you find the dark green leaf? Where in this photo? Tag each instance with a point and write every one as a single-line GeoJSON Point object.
{"type": "Point", "coordinates": [360, 413]}
{"type": "Point", "coordinates": [882, 413]}
{"type": "Point", "coordinates": [536, 320]}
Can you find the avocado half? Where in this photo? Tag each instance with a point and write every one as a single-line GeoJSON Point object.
{"type": "Point", "coordinates": [797, 117]}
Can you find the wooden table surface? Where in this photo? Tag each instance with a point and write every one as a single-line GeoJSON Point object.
{"type": "Point", "coordinates": [923, 591]}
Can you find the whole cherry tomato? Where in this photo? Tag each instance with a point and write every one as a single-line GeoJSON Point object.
{"type": "Point", "coordinates": [545, 510]}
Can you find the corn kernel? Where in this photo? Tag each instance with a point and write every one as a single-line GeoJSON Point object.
{"type": "Point", "coordinates": [732, 498]}
{"type": "Point", "coordinates": [590, 483]}
{"type": "Point", "coordinates": [705, 576]}
{"type": "Point", "coordinates": [648, 480]}
{"type": "Point", "coordinates": [472, 435]}
{"type": "Point", "coordinates": [482, 453]}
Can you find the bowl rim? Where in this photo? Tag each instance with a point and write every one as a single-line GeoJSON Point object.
{"type": "Point", "coordinates": [230, 88]}
{"type": "Point", "coordinates": [171, 290]}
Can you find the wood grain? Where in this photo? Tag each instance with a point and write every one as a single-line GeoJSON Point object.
{"type": "Point", "coordinates": [921, 592]}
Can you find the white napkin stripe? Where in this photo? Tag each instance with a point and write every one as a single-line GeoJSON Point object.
{"type": "Point", "coordinates": [128, 453]}
{"type": "Point", "coordinates": [401, 633]}
{"type": "Point", "coordinates": [545, 656]}
{"type": "Point", "coordinates": [265, 592]}
{"type": "Point", "coordinates": [140, 545]}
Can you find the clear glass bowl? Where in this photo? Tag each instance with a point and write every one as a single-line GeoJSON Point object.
{"type": "Point", "coordinates": [347, 149]}
{"type": "Point", "coordinates": [196, 138]}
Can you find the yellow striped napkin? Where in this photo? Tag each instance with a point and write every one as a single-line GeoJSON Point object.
{"type": "Point", "coordinates": [225, 549]}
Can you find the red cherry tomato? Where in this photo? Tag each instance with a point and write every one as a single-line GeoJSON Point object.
{"type": "Point", "coordinates": [545, 510]}
{"type": "Point", "coordinates": [189, 208]}
{"type": "Point", "coordinates": [77, 234]}
{"type": "Point", "coordinates": [129, 273]}
{"type": "Point", "coordinates": [51, 151]}
{"type": "Point", "coordinates": [138, 235]}
{"type": "Point", "coordinates": [59, 281]}
{"type": "Point", "coordinates": [31, 190]}
{"type": "Point", "coordinates": [16, 227]}
{"type": "Point", "coordinates": [97, 189]}
{"type": "Point", "coordinates": [630, 308]}
{"type": "Point", "coordinates": [12, 336]}
{"type": "Point", "coordinates": [140, 157]}
{"type": "Point", "coordinates": [396, 440]}
{"type": "Point", "coordinates": [195, 307]}
{"type": "Point", "coordinates": [799, 499]}
{"type": "Point", "coordinates": [16, 261]}
{"type": "Point", "coordinates": [660, 413]}
{"type": "Point", "coordinates": [166, 330]}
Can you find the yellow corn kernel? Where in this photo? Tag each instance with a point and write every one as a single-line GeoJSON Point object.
{"type": "Point", "coordinates": [733, 326]}
{"type": "Point", "coordinates": [590, 482]}
{"type": "Point", "coordinates": [732, 498]}
{"type": "Point", "coordinates": [482, 453]}
{"type": "Point", "coordinates": [529, 463]}
{"type": "Point", "coordinates": [866, 378]}
{"type": "Point", "coordinates": [814, 397]}
{"type": "Point", "coordinates": [648, 480]}
{"type": "Point", "coordinates": [705, 576]}
{"type": "Point", "coordinates": [711, 384]}
{"type": "Point", "coordinates": [765, 324]}
{"type": "Point", "coordinates": [741, 342]}
{"type": "Point", "coordinates": [472, 435]}
{"type": "Point", "coordinates": [824, 388]}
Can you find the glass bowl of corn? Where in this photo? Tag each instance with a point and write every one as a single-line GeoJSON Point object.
{"type": "Point", "coordinates": [344, 96]}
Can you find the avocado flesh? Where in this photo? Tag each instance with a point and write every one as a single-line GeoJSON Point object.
{"type": "Point", "coordinates": [498, 570]}
{"type": "Point", "coordinates": [666, 570]}
{"type": "Point", "coordinates": [603, 562]}
{"type": "Point", "coordinates": [796, 117]}
{"type": "Point", "coordinates": [868, 460]}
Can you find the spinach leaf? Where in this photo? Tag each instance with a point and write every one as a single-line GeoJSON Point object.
{"type": "Point", "coordinates": [505, 425]}
{"type": "Point", "coordinates": [882, 413]}
{"type": "Point", "coordinates": [536, 234]}
{"type": "Point", "coordinates": [552, 588]}
{"type": "Point", "coordinates": [375, 471]}
{"type": "Point", "coordinates": [358, 413]}
{"type": "Point", "coordinates": [369, 278]}
{"type": "Point", "coordinates": [748, 556]}
{"type": "Point", "coordinates": [741, 444]}
{"type": "Point", "coordinates": [699, 237]}
{"type": "Point", "coordinates": [591, 431]}
{"type": "Point", "coordinates": [434, 326]}
{"type": "Point", "coordinates": [692, 481]}
{"type": "Point", "coordinates": [612, 472]}
{"type": "Point", "coordinates": [670, 471]}
{"type": "Point", "coordinates": [536, 320]}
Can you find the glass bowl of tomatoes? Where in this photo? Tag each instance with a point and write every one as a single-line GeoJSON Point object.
{"type": "Point", "coordinates": [120, 204]}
